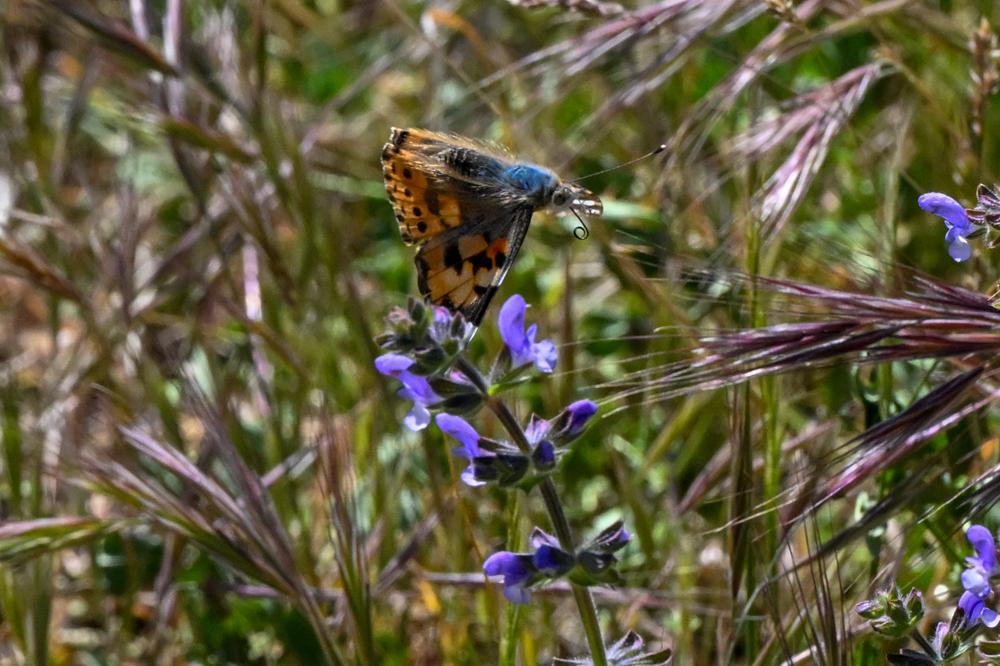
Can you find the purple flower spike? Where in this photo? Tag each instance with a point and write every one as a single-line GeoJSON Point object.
{"type": "Point", "coordinates": [415, 388]}
{"type": "Point", "coordinates": [521, 343]}
{"type": "Point", "coordinates": [460, 429]}
{"type": "Point", "coordinates": [955, 218]}
{"type": "Point", "coordinates": [516, 573]}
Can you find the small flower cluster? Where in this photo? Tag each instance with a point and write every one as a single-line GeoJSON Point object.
{"type": "Point", "coordinates": [964, 223]}
{"type": "Point", "coordinates": [501, 462]}
{"type": "Point", "coordinates": [894, 615]}
{"type": "Point", "coordinates": [590, 565]}
{"type": "Point", "coordinates": [424, 341]}
{"type": "Point", "coordinates": [425, 347]}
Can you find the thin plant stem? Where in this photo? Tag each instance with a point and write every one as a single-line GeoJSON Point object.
{"type": "Point", "coordinates": [554, 506]}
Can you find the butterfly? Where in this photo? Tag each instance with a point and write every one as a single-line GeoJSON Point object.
{"type": "Point", "coordinates": [467, 205]}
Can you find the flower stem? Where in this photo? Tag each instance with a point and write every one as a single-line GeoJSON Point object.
{"type": "Point", "coordinates": [554, 506]}
{"type": "Point", "coordinates": [584, 600]}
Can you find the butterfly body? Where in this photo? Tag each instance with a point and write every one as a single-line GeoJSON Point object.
{"type": "Point", "coordinates": [537, 183]}
{"type": "Point", "coordinates": [468, 206]}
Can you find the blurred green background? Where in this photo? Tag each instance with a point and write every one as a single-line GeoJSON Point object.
{"type": "Point", "coordinates": [196, 247]}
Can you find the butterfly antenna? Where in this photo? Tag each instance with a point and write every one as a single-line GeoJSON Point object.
{"type": "Point", "coordinates": [656, 151]}
{"type": "Point", "coordinates": [581, 231]}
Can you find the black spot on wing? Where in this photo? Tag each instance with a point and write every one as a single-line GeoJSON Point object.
{"type": "Point", "coordinates": [480, 260]}
{"type": "Point", "coordinates": [453, 257]}
{"type": "Point", "coordinates": [432, 201]}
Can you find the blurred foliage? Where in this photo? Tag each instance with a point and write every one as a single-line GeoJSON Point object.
{"type": "Point", "coordinates": [200, 464]}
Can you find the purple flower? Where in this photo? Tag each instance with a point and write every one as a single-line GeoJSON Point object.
{"type": "Point", "coordinates": [940, 633]}
{"type": "Point", "coordinates": [976, 580]}
{"type": "Point", "coordinates": [955, 218]}
{"type": "Point", "coordinates": [543, 451]}
{"type": "Point", "coordinates": [415, 388]}
{"type": "Point", "coordinates": [522, 570]}
{"type": "Point", "coordinates": [540, 538]}
{"type": "Point", "coordinates": [521, 343]}
{"type": "Point", "coordinates": [501, 462]}
{"type": "Point", "coordinates": [616, 538]}
{"type": "Point", "coordinates": [579, 413]}
{"type": "Point", "coordinates": [568, 425]}
{"type": "Point", "coordinates": [537, 429]}
{"type": "Point", "coordinates": [982, 542]}
{"type": "Point", "coordinates": [516, 571]}
{"type": "Point", "coordinates": [460, 429]}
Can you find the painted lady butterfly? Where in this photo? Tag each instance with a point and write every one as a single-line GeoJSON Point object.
{"type": "Point", "coordinates": [468, 206]}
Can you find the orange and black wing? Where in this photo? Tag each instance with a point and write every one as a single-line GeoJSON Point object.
{"type": "Point", "coordinates": [446, 199]}
{"type": "Point", "coordinates": [423, 205]}
{"type": "Point", "coordinates": [462, 269]}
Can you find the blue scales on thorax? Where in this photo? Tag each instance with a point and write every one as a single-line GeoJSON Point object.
{"type": "Point", "coordinates": [535, 181]}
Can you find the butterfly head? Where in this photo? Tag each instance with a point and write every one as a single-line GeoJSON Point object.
{"type": "Point", "coordinates": [580, 200]}
{"type": "Point", "coordinates": [546, 190]}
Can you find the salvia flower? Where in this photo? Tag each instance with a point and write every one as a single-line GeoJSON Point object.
{"type": "Point", "coordinates": [500, 462]}
{"type": "Point", "coordinates": [627, 651]}
{"type": "Point", "coordinates": [570, 422]}
{"type": "Point", "coordinates": [977, 579]}
{"type": "Point", "coordinates": [516, 572]}
{"type": "Point", "coordinates": [891, 613]}
{"type": "Point", "coordinates": [953, 639]}
{"type": "Point", "coordinates": [521, 343]}
{"type": "Point", "coordinates": [415, 388]}
{"type": "Point", "coordinates": [590, 565]}
{"type": "Point", "coordinates": [520, 571]}
{"type": "Point", "coordinates": [955, 218]}
{"type": "Point", "coordinates": [467, 436]}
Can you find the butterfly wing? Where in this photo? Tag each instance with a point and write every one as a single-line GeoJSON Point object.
{"type": "Point", "coordinates": [425, 204]}
{"type": "Point", "coordinates": [462, 269]}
